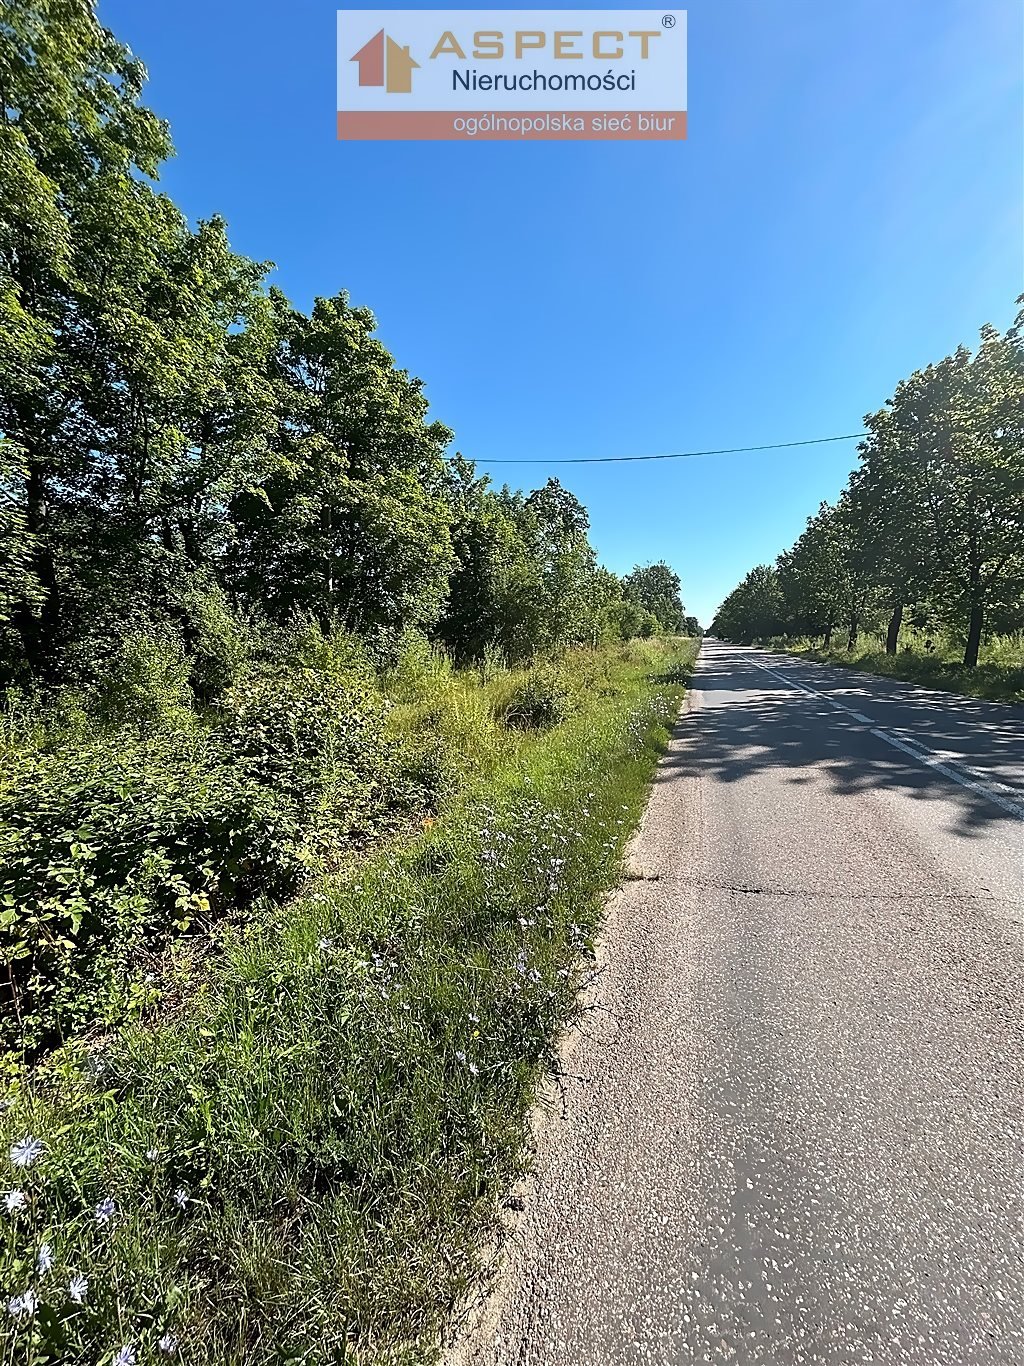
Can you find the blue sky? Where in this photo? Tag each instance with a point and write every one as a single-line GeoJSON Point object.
{"type": "Point", "coordinates": [849, 206]}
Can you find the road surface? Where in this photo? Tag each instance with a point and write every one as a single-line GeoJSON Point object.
{"type": "Point", "coordinates": [793, 1132]}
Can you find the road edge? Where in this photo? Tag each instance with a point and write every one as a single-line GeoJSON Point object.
{"type": "Point", "coordinates": [472, 1327]}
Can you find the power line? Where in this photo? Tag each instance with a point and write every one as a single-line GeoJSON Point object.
{"type": "Point", "coordinates": [675, 455]}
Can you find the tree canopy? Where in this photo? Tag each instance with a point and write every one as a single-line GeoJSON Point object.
{"type": "Point", "coordinates": [931, 520]}
{"type": "Point", "coordinates": [180, 445]}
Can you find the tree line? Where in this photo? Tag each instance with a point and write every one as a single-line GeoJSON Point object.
{"type": "Point", "coordinates": [930, 527]}
{"type": "Point", "coordinates": [182, 449]}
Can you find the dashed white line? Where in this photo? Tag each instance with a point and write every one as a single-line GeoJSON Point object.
{"type": "Point", "coordinates": [985, 788]}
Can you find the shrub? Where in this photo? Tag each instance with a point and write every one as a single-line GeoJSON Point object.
{"type": "Point", "coordinates": [145, 681]}
{"type": "Point", "coordinates": [315, 736]}
{"type": "Point", "coordinates": [217, 643]}
{"type": "Point", "coordinates": [305, 645]}
{"type": "Point", "coordinates": [107, 850]}
{"type": "Point", "coordinates": [541, 700]}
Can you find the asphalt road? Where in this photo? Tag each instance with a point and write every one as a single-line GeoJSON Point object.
{"type": "Point", "coordinates": [792, 1130]}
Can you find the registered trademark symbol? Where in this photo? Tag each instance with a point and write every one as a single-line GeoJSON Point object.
{"type": "Point", "coordinates": [669, 21]}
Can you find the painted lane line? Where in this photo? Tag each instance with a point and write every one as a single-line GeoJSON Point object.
{"type": "Point", "coordinates": [949, 756]}
{"type": "Point", "coordinates": [923, 757]}
{"type": "Point", "coordinates": [985, 788]}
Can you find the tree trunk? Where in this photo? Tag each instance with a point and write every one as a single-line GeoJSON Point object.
{"type": "Point", "coordinates": [851, 639]}
{"type": "Point", "coordinates": [974, 634]}
{"type": "Point", "coordinates": [826, 644]}
{"type": "Point", "coordinates": [892, 636]}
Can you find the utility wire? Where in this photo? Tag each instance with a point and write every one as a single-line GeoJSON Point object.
{"type": "Point", "coordinates": [674, 455]}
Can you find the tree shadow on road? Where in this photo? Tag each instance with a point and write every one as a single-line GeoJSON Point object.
{"type": "Point", "coordinates": [766, 725]}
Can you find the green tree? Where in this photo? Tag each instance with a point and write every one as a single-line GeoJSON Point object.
{"type": "Point", "coordinates": [123, 361]}
{"type": "Point", "coordinates": [754, 610]}
{"type": "Point", "coordinates": [353, 524]}
{"type": "Point", "coordinates": [656, 588]}
{"type": "Point", "coordinates": [826, 577]}
{"type": "Point", "coordinates": [943, 470]}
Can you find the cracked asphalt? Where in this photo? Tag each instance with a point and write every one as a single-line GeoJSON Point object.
{"type": "Point", "coordinates": [794, 1132]}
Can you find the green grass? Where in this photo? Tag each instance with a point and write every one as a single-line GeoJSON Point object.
{"type": "Point", "coordinates": [999, 675]}
{"type": "Point", "coordinates": [306, 1143]}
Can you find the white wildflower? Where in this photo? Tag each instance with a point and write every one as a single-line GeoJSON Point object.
{"type": "Point", "coordinates": [44, 1259]}
{"type": "Point", "coordinates": [125, 1356]}
{"type": "Point", "coordinates": [27, 1150]}
{"type": "Point", "coordinates": [105, 1211]}
{"type": "Point", "coordinates": [180, 1197]}
{"type": "Point", "coordinates": [23, 1306]}
{"type": "Point", "coordinates": [78, 1287]}
{"type": "Point", "coordinates": [15, 1201]}
{"type": "Point", "coordinates": [168, 1344]}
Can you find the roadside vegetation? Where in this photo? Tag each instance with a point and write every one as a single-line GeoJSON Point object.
{"type": "Point", "coordinates": [290, 1121]}
{"type": "Point", "coordinates": [933, 662]}
{"type": "Point", "coordinates": [917, 571]}
{"type": "Point", "coordinates": [317, 756]}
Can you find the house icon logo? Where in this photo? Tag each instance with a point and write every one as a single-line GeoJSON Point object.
{"type": "Point", "coordinates": [384, 62]}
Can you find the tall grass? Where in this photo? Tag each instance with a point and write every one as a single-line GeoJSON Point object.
{"type": "Point", "coordinates": [296, 1155]}
{"type": "Point", "coordinates": [935, 661]}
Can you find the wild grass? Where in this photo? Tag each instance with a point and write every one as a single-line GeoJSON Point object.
{"type": "Point", "coordinates": [999, 674]}
{"type": "Point", "coordinates": [295, 1154]}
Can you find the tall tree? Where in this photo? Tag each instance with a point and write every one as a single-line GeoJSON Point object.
{"type": "Point", "coordinates": [656, 588]}
{"type": "Point", "coordinates": [127, 336]}
{"type": "Point", "coordinates": [943, 467]}
{"type": "Point", "coordinates": [353, 524]}
{"type": "Point", "coordinates": [556, 523]}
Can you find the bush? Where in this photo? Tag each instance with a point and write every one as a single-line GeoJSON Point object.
{"type": "Point", "coordinates": [319, 738]}
{"type": "Point", "coordinates": [117, 841]}
{"type": "Point", "coordinates": [539, 702]}
{"type": "Point", "coordinates": [217, 643]}
{"type": "Point", "coordinates": [305, 645]}
{"type": "Point", "coordinates": [145, 681]}
{"type": "Point", "coordinates": [107, 850]}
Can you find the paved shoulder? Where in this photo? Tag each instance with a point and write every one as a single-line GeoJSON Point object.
{"type": "Point", "coordinates": [794, 1135]}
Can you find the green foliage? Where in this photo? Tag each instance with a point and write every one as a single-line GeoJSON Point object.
{"type": "Point", "coordinates": [145, 682]}
{"type": "Point", "coordinates": [109, 847]}
{"type": "Point", "coordinates": [119, 836]}
{"type": "Point", "coordinates": [540, 700]}
{"type": "Point", "coordinates": [315, 737]}
{"type": "Point", "coordinates": [756, 608]}
{"type": "Point", "coordinates": [304, 1155]}
{"type": "Point", "coordinates": [219, 644]}
{"type": "Point", "coordinates": [932, 521]}
{"type": "Point", "coordinates": [655, 589]}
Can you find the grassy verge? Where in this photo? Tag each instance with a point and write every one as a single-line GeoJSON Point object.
{"type": "Point", "coordinates": [296, 1156]}
{"type": "Point", "coordinates": [999, 675]}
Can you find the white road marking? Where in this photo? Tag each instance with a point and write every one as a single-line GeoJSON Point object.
{"type": "Point", "coordinates": [985, 788]}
